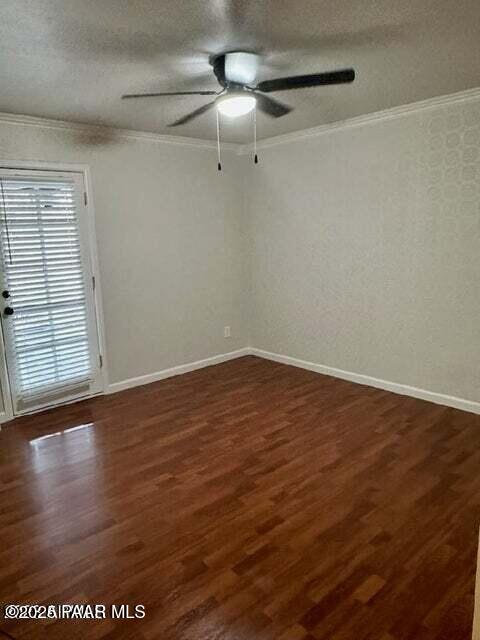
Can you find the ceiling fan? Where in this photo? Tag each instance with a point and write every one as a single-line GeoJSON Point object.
{"type": "Point", "coordinates": [235, 72]}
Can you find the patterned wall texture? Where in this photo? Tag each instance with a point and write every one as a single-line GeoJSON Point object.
{"type": "Point", "coordinates": [366, 249]}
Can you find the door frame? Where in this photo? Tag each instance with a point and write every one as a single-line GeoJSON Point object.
{"type": "Point", "coordinates": [63, 167]}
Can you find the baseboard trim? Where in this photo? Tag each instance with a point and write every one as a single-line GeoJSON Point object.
{"type": "Point", "coordinates": [359, 378]}
{"type": "Point", "coordinates": [176, 371]}
{"type": "Point", "coordinates": [386, 385]}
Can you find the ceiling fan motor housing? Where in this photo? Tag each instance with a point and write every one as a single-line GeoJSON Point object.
{"type": "Point", "coordinates": [241, 67]}
{"type": "Point", "coordinates": [236, 68]}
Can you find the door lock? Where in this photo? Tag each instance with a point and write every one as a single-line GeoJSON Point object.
{"type": "Point", "coordinates": [8, 311]}
{"type": "Point", "coordinates": [6, 294]}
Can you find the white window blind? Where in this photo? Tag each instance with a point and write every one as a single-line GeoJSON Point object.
{"type": "Point", "coordinates": [42, 263]}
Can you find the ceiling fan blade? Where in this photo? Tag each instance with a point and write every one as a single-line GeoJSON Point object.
{"type": "Point", "coordinates": [193, 114]}
{"type": "Point", "coordinates": [271, 107]}
{"type": "Point", "coordinates": [170, 93]}
{"type": "Point", "coordinates": [311, 80]}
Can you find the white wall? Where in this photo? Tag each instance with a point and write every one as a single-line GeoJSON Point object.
{"type": "Point", "coordinates": [366, 249]}
{"type": "Point", "coordinates": [171, 243]}
{"type": "Point", "coordinates": [358, 249]}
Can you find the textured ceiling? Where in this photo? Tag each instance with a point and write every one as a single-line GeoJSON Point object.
{"type": "Point", "coordinates": [73, 59]}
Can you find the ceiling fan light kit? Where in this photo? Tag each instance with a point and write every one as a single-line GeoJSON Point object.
{"type": "Point", "coordinates": [236, 71]}
{"type": "Point", "coordinates": [234, 105]}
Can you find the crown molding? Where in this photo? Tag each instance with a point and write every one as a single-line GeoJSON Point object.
{"type": "Point", "coordinates": [243, 149]}
{"type": "Point", "coordinates": [131, 134]}
{"type": "Point", "coordinates": [369, 118]}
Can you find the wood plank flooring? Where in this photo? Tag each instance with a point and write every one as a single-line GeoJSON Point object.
{"type": "Point", "coordinates": [246, 501]}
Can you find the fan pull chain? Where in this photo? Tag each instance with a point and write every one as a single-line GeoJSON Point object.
{"type": "Point", "coordinates": [219, 166]}
{"type": "Point", "coordinates": [255, 156]}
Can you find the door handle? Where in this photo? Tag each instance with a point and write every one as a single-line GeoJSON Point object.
{"type": "Point", "coordinates": [8, 311]}
{"type": "Point", "coordinates": [6, 294]}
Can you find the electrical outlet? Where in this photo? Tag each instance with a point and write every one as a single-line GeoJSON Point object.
{"type": "Point", "coordinates": [226, 332]}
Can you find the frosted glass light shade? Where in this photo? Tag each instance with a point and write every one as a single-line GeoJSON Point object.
{"type": "Point", "coordinates": [234, 106]}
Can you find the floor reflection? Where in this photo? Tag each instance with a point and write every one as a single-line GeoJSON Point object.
{"type": "Point", "coordinates": [36, 441]}
{"type": "Point", "coordinates": [66, 491]}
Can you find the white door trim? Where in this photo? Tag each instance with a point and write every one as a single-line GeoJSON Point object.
{"type": "Point", "coordinates": [63, 167]}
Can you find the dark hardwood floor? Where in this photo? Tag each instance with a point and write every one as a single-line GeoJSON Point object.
{"type": "Point", "coordinates": [245, 501]}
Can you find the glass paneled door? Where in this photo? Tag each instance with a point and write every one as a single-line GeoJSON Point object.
{"type": "Point", "coordinates": [48, 301]}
